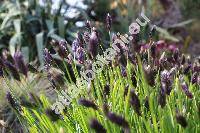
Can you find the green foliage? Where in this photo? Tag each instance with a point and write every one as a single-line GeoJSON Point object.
{"type": "Point", "coordinates": [76, 118]}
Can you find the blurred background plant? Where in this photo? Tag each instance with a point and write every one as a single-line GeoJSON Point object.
{"type": "Point", "coordinates": [29, 24]}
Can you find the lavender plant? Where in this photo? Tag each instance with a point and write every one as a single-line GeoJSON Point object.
{"type": "Point", "coordinates": [150, 89]}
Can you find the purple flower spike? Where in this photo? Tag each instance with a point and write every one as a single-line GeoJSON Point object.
{"type": "Point", "coordinates": [75, 45]}
{"type": "Point", "coordinates": [135, 102]}
{"type": "Point", "coordinates": [12, 69]}
{"type": "Point", "coordinates": [196, 68]}
{"type": "Point", "coordinates": [70, 58]}
{"type": "Point", "coordinates": [153, 50]}
{"type": "Point", "coordinates": [47, 58]}
{"type": "Point", "coordinates": [86, 37]}
{"type": "Point", "coordinates": [183, 60]}
{"type": "Point", "coordinates": [88, 103]}
{"type": "Point", "coordinates": [162, 98]}
{"type": "Point", "coordinates": [93, 43]}
{"type": "Point", "coordinates": [80, 55]}
{"type": "Point", "coordinates": [166, 81]}
{"type": "Point", "coordinates": [88, 24]}
{"type": "Point", "coordinates": [62, 50]}
{"type": "Point", "coordinates": [94, 124]}
{"type": "Point", "coordinates": [108, 22]}
{"type": "Point", "coordinates": [119, 120]}
{"type": "Point", "coordinates": [187, 69]}
{"type": "Point", "coordinates": [123, 71]}
{"type": "Point", "coordinates": [20, 64]}
{"type": "Point", "coordinates": [194, 78]}
{"type": "Point", "coordinates": [186, 90]}
{"type": "Point", "coordinates": [176, 55]}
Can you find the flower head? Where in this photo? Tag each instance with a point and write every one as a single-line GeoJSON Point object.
{"type": "Point", "coordinates": [88, 103]}
{"type": "Point", "coordinates": [12, 69]}
{"type": "Point", "coordinates": [62, 49]}
{"type": "Point", "coordinates": [47, 58]}
{"type": "Point", "coordinates": [86, 37]}
{"type": "Point", "coordinates": [166, 81]}
{"type": "Point", "coordinates": [153, 50]}
{"type": "Point", "coordinates": [117, 119]}
{"type": "Point", "coordinates": [80, 55]}
{"type": "Point", "coordinates": [176, 55]}
{"type": "Point", "coordinates": [123, 71]}
{"type": "Point", "coordinates": [135, 102]}
{"type": "Point", "coordinates": [185, 89]}
{"type": "Point", "coordinates": [108, 22]}
{"type": "Point", "coordinates": [194, 78]}
{"type": "Point", "coordinates": [88, 24]}
{"type": "Point", "coordinates": [162, 97]}
{"type": "Point", "coordinates": [94, 124]}
{"type": "Point", "coordinates": [93, 43]}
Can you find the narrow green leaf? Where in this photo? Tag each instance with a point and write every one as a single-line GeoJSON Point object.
{"type": "Point", "coordinates": [17, 25]}
{"type": "Point", "coordinates": [39, 42]}
{"type": "Point", "coordinates": [61, 26]}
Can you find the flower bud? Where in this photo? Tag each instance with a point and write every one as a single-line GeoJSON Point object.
{"type": "Point", "coordinates": [176, 55]}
